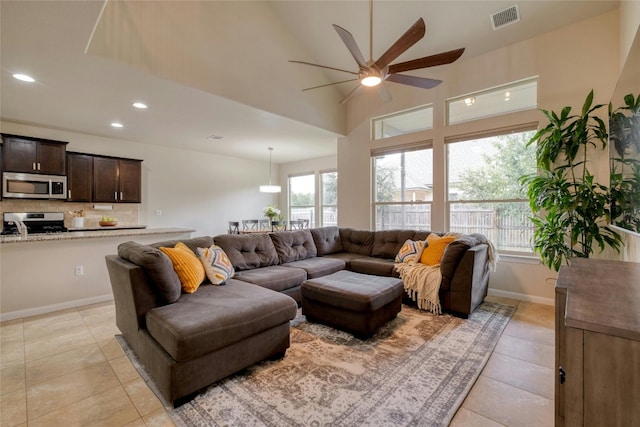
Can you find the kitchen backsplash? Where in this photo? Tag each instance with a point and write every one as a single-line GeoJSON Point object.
{"type": "Point", "coordinates": [125, 213]}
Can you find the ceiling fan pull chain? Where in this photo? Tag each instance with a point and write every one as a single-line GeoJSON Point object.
{"type": "Point", "coordinates": [370, 30]}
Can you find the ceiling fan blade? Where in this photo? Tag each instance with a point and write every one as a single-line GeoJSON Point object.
{"type": "Point", "coordinates": [329, 84]}
{"type": "Point", "coordinates": [324, 66]}
{"type": "Point", "coordinates": [420, 82]}
{"type": "Point", "coordinates": [351, 44]}
{"type": "Point", "coordinates": [408, 39]}
{"type": "Point", "coordinates": [384, 93]}
{"type": "Point", "coordinates": [427, 61]}
{"type": "Point", "coordinates": [350, 94]}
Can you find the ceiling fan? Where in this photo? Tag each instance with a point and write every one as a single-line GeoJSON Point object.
{"type": "Point", "coordinates": [373, 73]}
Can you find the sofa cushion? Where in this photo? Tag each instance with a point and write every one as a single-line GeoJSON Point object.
{"type": "Point", "coordinates": [216, 264]}
{"type": "Point", "coordinates": [247, 251]}
{"type": "Point", "coordinates": [294, 245]}
{"type": "Point", "coordinates": [217, 316]}
{"type": "Point", "coordinates": [375, 266]}
{"type": "Point", "coordinates": [410, 252]}
{"type": "Point", "coordinates": [156, 265]}
{"type": "Point", "coordinates": [387, 243]}
{"type": "Point", "coordinates": [357, 241]}
{"type": "Point", "coordinates": [327, 240]}
{"type": "Point", "coordinates": [433, 252]}
{"type": "Point", "coordinates": [193, 243]}
{"type": "Point", "coordinates": [187, 266]}
{"type": "Point", "coordinates": [346, 257]}
{"type": "Point", "coordinates": [276, 277]}
{"type": "Point", "coordinates": [456, 250]}
{"type": "Point", "coordinates": [318, 266]}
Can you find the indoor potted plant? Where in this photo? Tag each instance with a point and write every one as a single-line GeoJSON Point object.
{"type": "Point", "coordinates": [571, 211]}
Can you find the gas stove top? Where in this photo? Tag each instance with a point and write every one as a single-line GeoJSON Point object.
{"type": "Point", "coordinates": [36, 222]}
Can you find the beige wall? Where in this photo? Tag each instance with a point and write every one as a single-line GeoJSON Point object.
{"type": "Point", "coordinates": [568, 62]}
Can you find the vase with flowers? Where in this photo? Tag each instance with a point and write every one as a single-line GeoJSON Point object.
{"type": "Point", "coordinates": [271, 212]}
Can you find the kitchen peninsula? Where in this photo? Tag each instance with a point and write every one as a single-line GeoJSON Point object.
{"type": "Point", "coordinates": [48, 272]}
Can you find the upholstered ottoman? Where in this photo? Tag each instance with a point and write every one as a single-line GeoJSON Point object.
{"type": "Point", "coordinates": [355, 302]}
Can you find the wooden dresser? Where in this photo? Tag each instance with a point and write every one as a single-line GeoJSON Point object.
{"type": "Point", "coordinates": [598, 344]}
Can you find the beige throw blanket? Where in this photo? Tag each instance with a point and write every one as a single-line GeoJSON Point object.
{"type": "Point", "coordinates": [422, 283]}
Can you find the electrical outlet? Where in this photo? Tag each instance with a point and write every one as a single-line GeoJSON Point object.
{"type": "Point", "coordinates": [79, 270]}
{"type": "Point", "coordinates": [158, 212]}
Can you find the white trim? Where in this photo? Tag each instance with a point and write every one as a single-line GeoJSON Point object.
{"type": "Point", "coordinates": [522, 297]}
{"type": "Point", "coordinates": [54, 307]}
{"type": "Point", "coordinates": [520, 259]}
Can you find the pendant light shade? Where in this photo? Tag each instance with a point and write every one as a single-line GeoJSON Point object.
{"type": "Point", "coordinates": [270, 188]}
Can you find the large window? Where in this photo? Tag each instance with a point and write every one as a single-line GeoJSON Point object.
{"type": "Point", "coordinates": [329, 198]}
{"type": "Point", "coordinates": [403, 189]}
{"type": "Point", "coordinates": [484, 194]}
{"type": "Point", "coordinates": [302, 198]}
{"type": "Point", "coordinates": [319, 208]}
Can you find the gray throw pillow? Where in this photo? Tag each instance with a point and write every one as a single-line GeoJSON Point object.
{"type": "Point", "coordinates": [156, 265]}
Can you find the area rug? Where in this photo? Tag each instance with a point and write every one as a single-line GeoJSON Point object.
{"type": "Point", "coordinates": [416, 370]}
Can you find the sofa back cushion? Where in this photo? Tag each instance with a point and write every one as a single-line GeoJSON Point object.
{"type": "Point", "coordinates": [357, 241]}
{"type": "Point", "coordinates": [156, 265]}
{"type": "Point", "coordinates": [387, 243]}
{"type": "Point", "coordinates": [294, 245]}
{"type": "Point", "coordinates": [193, 243]}
{"type": "Point", "coordinates": [248, 251]}
{"type": "Point", "coordinates": [327, 240]}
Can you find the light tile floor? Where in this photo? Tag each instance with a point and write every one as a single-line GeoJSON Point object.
{"type": "Point", "coordinates": [66, 368]}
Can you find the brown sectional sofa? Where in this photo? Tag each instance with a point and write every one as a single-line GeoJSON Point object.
{"type": "Point", "coordinates": [188, 341]}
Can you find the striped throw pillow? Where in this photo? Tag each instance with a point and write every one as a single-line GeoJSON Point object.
{"type": "Point", "coordinates": [216, 264]}
{"type": "Point", "coordinates": [410, 252]}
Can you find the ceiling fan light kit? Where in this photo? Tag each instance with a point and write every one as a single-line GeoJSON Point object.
{"type": "Point", "coordinates": [373, 73]}
{"type": "Point", "coordinates": [270, 188]}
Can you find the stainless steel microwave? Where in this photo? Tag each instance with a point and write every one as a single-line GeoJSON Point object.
{"type": "Point", "coordinates": [33, 186]}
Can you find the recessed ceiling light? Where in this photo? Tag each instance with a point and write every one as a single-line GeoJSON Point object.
{"type": "Point", "coordinates": [140, 105]}
{"type": "Point", "coordinates": [24, 77]}
{"type": "Point", "coordinates": [117, 125]}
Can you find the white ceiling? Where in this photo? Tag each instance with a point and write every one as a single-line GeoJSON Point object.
{"type": "Point", "coordinates": [220, 68]}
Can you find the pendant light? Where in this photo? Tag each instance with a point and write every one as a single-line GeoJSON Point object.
{"type": "Point", "coordinates": [270, 188]}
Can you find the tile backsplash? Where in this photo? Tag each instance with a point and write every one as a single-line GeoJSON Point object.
{"type": "Point", "coordinates": [125, 213]}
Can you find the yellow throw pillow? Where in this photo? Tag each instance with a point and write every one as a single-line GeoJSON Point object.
{"type": "Point", "coordinates": [432, 253]}
{"type": "Point", "coordinates": [187, 266]}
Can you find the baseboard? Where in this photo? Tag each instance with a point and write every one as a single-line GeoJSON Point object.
{"type": "Point", "coordinates": [54, 307]}
{"type": "Point", "coordinates": [521, 297]}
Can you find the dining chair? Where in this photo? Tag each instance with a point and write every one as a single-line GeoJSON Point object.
{"type": "Point", "coordinates": [296, 224]}
{"type": "Point", "coordinates": [234, 227]}
{"type": "Point", "coordinates": [278, 225]}
{"type": "Point", "coordinates": [264, 225]}
{"type": "Point", "coordinates": [250, 225]}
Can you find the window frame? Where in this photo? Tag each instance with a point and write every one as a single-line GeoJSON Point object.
{"type": "Point", "coordinates": [375, 120]}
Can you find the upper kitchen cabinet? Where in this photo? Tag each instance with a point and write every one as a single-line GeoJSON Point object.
{"type": "Point", "coordinates": [117, 180]}
{"type": "Point", "coordinates": [33, 155]}
{"type": "Point", "coordinates": [79, 177]}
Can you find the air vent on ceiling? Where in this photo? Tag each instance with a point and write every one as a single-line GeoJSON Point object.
{"type": "Point", "coordinates": [505, 17]}
{"type": "Point", "coordinates": [214, 137]}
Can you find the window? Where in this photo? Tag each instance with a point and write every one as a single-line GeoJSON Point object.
{"type": "Point", "coordinates": [484, 195]}
{"type": "Point", "coordinates": [403, 189]}
{"type": "Point", "coordinates": [329, 199]}
{"type": "Point", "coordinates": [403, 122]}
{"type": "Point", "coordinates": [517, 96]}
{"type": "Point", "coordinates": [302, 200]}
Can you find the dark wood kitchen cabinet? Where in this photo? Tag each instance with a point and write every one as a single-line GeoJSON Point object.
{"type": "Point", "coordinates": [33, 155]}
{"type": "Point", "coordinates": [117, 180]}
{"type": "Point", "coordinates": [79, 177]}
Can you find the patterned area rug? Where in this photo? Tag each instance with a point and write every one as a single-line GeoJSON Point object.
{"type": "Point", "coordinates": [416, 370]}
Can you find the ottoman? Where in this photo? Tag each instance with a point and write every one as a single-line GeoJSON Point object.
{"type": "Point", "coordinates": [354, 302]}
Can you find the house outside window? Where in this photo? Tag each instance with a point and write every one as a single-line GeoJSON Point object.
{"type": "Point", "coordinates": [484, 193]}
{"type": "Point", "coordinates": [403, 188]}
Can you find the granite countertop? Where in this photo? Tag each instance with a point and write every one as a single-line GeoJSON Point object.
{"type": "Point", "coordinates": [93, 233]}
